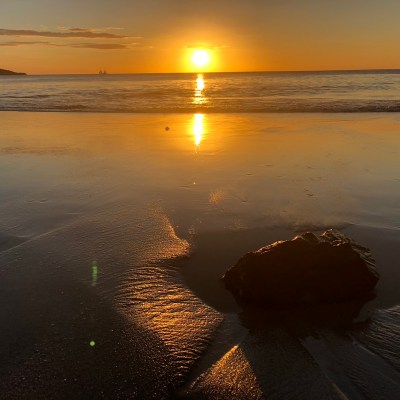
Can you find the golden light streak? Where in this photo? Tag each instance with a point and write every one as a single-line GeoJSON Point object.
{"type": "Point", "coordinates": [200, 83]}
{"type": "Point", "coordinates": [198, 128]}
{"type": "Point", "coordinates": [199, 97]}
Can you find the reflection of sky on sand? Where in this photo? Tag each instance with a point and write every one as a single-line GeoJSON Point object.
{"type": "Point", "coordinates": [272, 169]}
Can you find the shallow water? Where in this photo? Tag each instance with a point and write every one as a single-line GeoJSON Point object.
{"type": "Point", "coordinates": [214, 171]}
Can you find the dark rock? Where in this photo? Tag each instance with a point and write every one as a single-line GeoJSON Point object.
{"type": "Point", "coordinates": [308, 269]}
{"type": "Point", "coordinates": [7, 72]}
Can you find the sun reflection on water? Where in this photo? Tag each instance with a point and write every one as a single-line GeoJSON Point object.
{"type": "Point", "coordinates": [200, 84]}
{"type": "Point", "coordinates": [199, 97]}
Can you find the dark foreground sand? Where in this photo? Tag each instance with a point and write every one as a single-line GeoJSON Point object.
{"type": "Point", "coordinates": [340, 351]}
{"type": "Point", "coordinates": [163, 217]}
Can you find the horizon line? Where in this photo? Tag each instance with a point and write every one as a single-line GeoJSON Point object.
{"type": "Point", "coordinates": [226, 72]}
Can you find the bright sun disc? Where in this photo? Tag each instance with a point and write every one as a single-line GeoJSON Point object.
{"type": "Point", "coordinates": [200, 58]}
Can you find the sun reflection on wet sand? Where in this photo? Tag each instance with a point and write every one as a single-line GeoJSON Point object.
{"type": "Point", "coordinates": [198, 128]}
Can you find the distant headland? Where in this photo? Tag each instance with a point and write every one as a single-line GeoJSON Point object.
{"type": "Point", "coordinates": [7, 72]}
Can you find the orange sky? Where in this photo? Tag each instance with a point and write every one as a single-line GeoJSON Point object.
{"type": "Point", "coordinates": [127, 36]}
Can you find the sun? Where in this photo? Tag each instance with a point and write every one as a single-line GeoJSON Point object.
{"type": "Point", "coordinates": [200, 58]}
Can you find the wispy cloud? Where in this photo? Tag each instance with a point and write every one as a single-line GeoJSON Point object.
{"type": "Point", "coordinates": [69, 33]}
{"type": "Point", "coordinates": [14, 44]}
{"type": "Point", "coordinates": [100, 46]}
{"type": "Point", "coordinates": [95, 46]}
{"type": "Point", "coordinates": [205, 46]}
{"type": "Point", "coordinates": [103, 29]}
{"type": "Point", "coordinates": [97, 39]}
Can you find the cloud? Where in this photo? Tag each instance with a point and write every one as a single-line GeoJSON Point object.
{"type": "Point", "coordinates": [14, 44]}
{"type": "Point", "coordinates": [96, 46]}
{"type": "Point", "coordinates": [78, 30]}
{"type": "Point", "coordinates": [206, 46]}
{"type": "Point", "coordinates": [75, 29]}
{"type": "Point", "coordinates": [65, 37]}
{"type": "Point", "coordinates": [99, 46]}
{"type": "Point", "coordinates": [70, 33]}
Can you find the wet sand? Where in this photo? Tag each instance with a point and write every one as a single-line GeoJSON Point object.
{"type": "Point", "coordinates": [164, 213]}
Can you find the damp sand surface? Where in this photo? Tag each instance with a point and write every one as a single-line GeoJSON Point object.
{"type": "Point", "coordinates": [115, 231]}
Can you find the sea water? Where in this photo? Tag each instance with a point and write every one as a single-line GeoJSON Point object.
{"type": "Point", "coordinates": [328, 91]}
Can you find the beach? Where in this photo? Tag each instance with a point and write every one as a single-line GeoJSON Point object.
{"type": "Point", "coordinates": [116, 228]}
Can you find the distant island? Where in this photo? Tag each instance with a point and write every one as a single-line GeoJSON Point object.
{"type": "Point", "coordinates": [7, 72]}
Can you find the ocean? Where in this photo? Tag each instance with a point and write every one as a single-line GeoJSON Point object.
{"type": "Point", "coordinates": [328, 91]}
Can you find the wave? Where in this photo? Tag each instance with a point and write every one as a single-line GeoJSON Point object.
{"type": "Point", "coordinates": [334, 107]}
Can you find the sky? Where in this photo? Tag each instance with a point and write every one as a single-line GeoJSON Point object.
{"type": "Point", "coordinates": [141, 36]}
